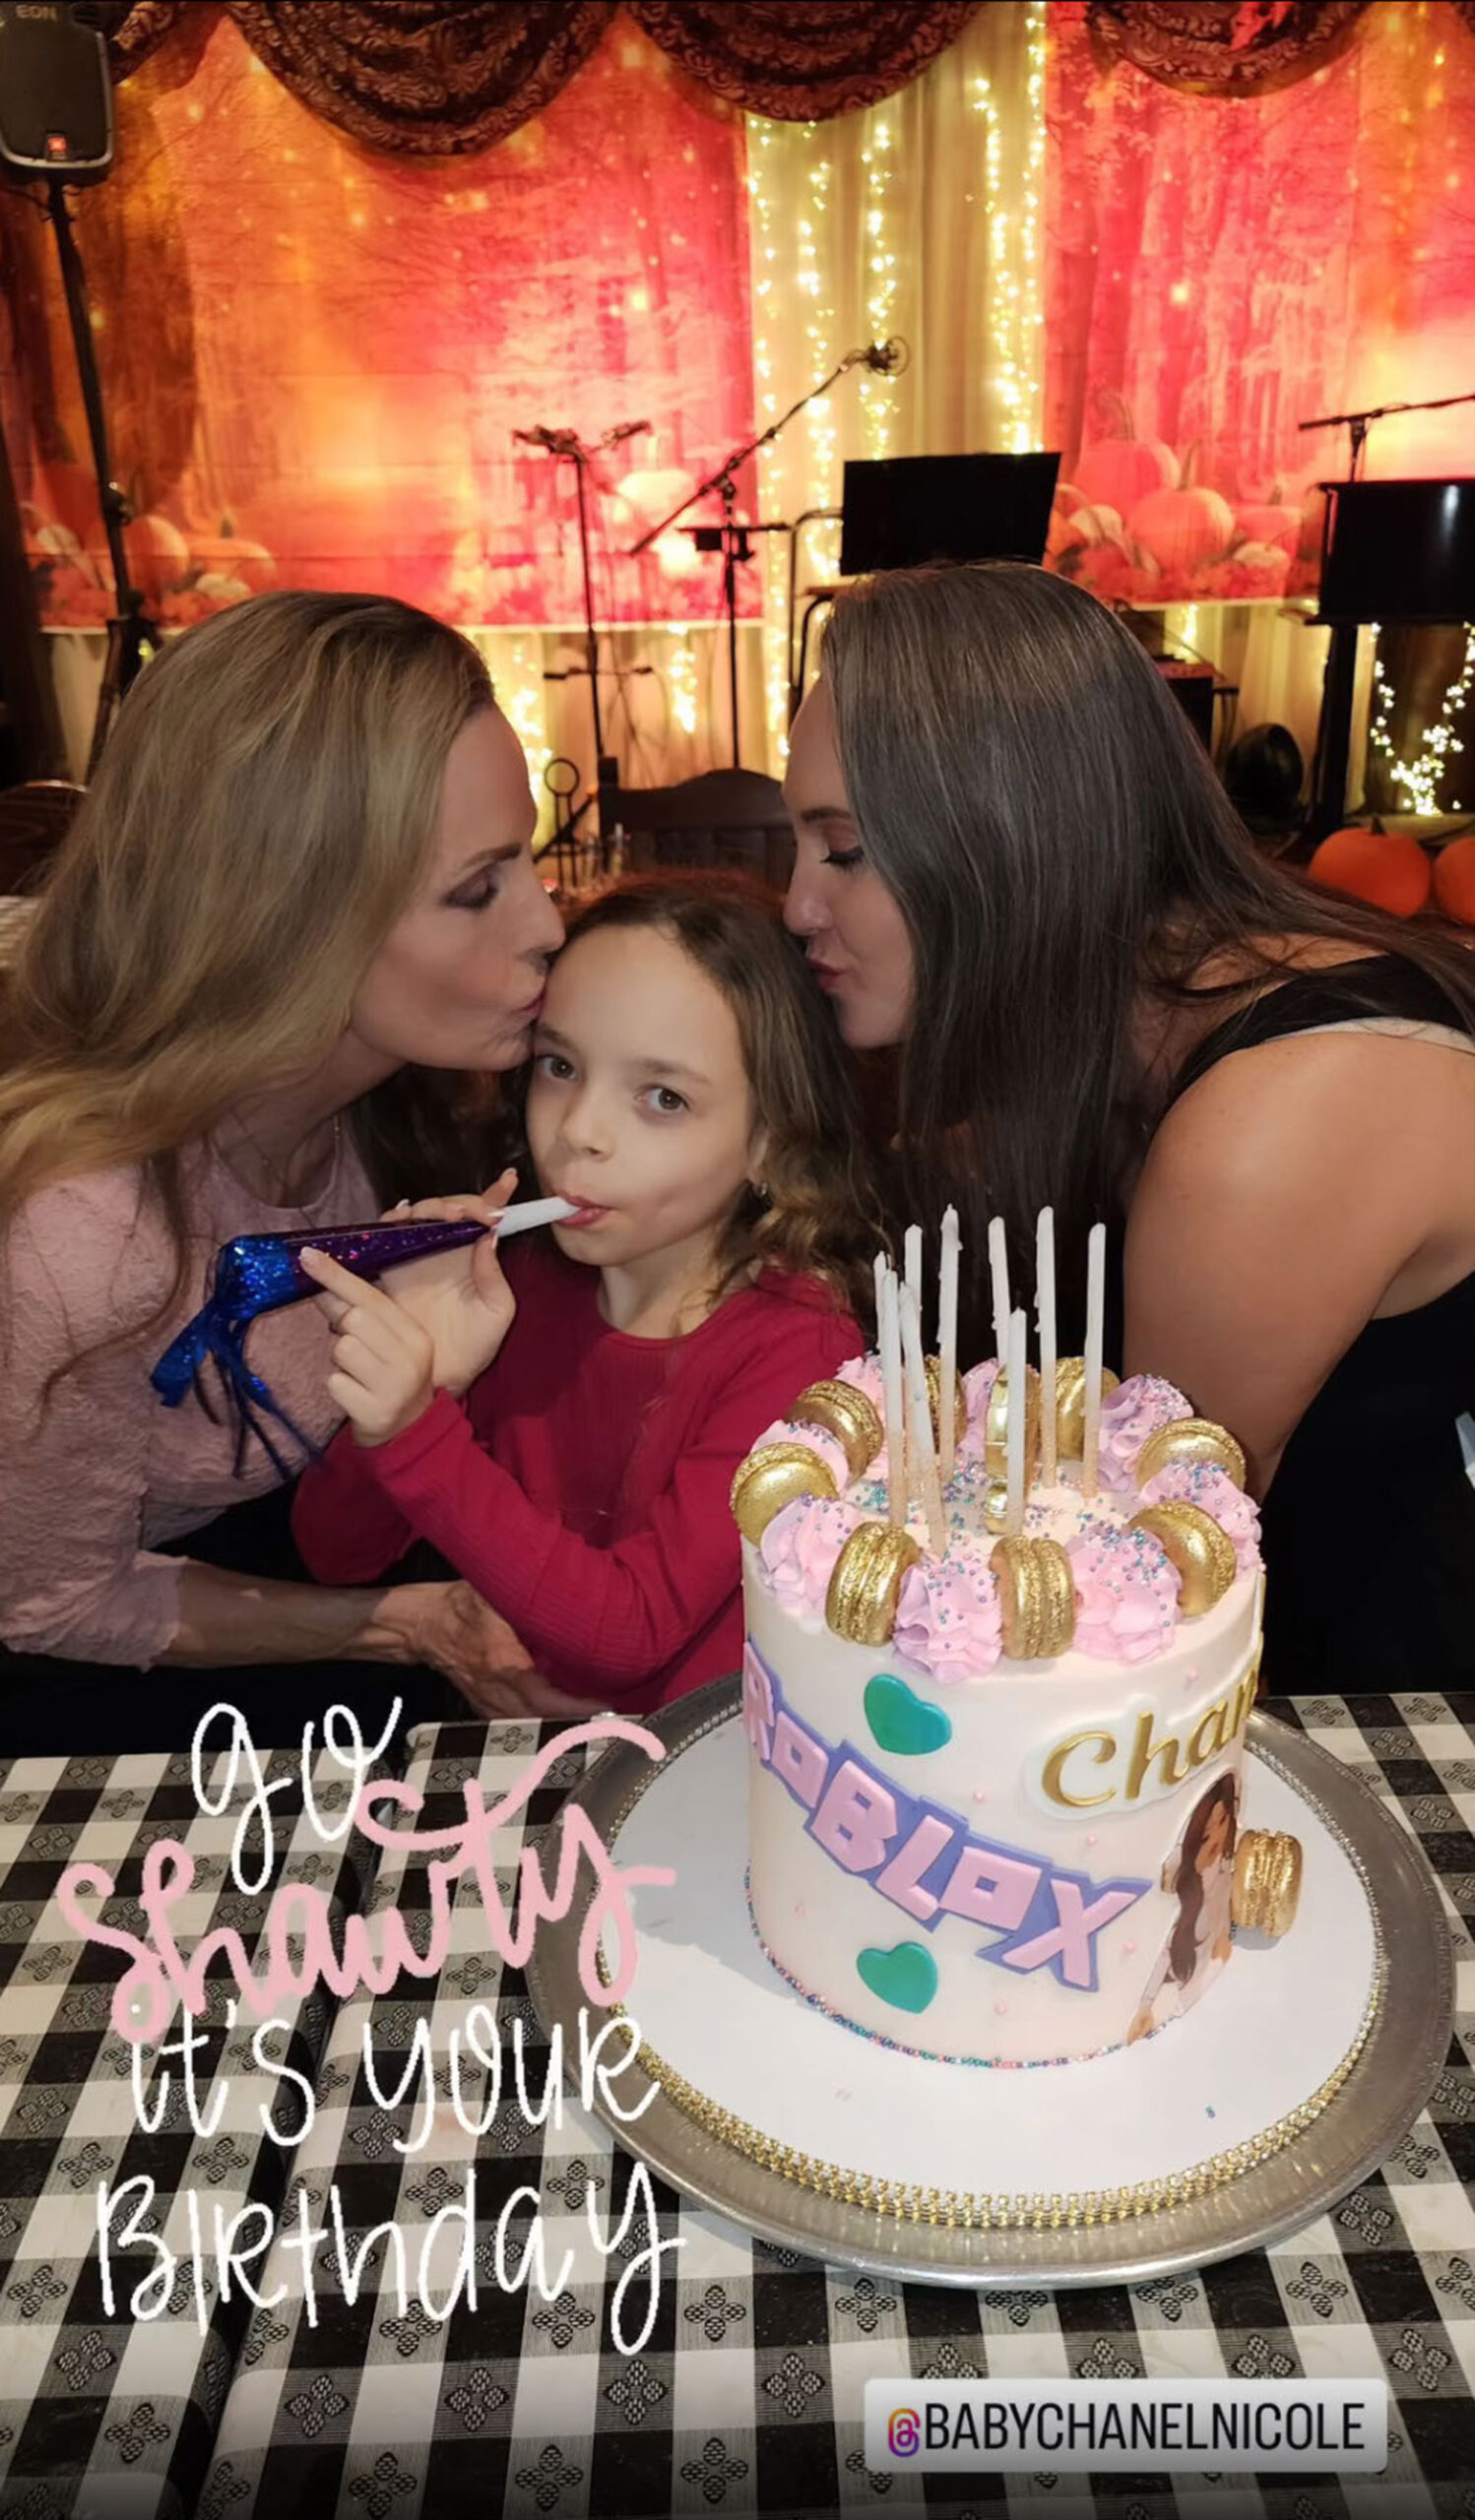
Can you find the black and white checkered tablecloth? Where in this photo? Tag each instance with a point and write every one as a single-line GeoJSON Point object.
{"type": "Point", "coordinates": [747, 2397]}
{"type": "Point", "coordinates": [98, 2414]}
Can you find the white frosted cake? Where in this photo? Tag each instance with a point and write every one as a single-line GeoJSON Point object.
{"type": "Point", "coordinates": [996, 1787]}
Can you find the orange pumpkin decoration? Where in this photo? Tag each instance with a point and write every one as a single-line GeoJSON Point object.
{"type": "Point", "coordinates": [1272, 522]}
{"type": "Point", "coordinates": [1387, 868]}
{"type": "Point", "coordinates": [1121, 467]}
{"type": "Point", "coordinates": [1183, 529]}
{"type": "Point", "coordinates": [227, 555]}
{"type": "Point", "coordinates": [1454, 879]}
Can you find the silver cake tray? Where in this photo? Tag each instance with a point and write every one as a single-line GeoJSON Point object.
{"type": "Point", "coordinates": [1399, 2062]}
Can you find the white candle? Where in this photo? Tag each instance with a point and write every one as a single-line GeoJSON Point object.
{"type": "Point", "coordinates": [920, 1422]}
{"type": "Point", "coordinates": [1095, 1324]}
{"type": "Point", "coordinates": [889, 1340]}
{"type": "Point", "coordinates": [912, 1254]}
{"type": "Point", "coordinates": [999, 1268]}
{"type": "Point", "coordinates": [947, 1341]}
{"type": "Point", "coordinates": [1016, 1412]}
{"type": "Point", "coordinates": [1045, 1314]}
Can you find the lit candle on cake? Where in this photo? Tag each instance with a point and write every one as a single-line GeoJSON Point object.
{"type": "Point", "coordinates": [1016, 1418]}
{"type": "Point", "coordinates": [999, 1270]}
{"type": "Point", "coordinates": [1095, 1323]}
{"type": "Point", "coordinates": [1045, 1306]}
{"type": "Point", "coordinates": [947, 1342]}
{"type": "Point", "coordinates": [889, 1340]}
{"type": "Point", "coordinates": [920, 1422]}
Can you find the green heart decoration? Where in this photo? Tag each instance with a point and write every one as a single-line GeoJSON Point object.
{"type": "Point", "coordinates": [906, 1976]}
{"type": "Point", "coordinates": [901, 1721]}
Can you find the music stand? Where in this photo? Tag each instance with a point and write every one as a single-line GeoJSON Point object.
{"type": "Point", "coordinates": [1392, 551]}
{"type": "Point", "coordinates": [904, 511]}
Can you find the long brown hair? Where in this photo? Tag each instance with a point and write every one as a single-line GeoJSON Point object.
{"type": "Point", "coordinates": [817, 1212]}
{"type": "Point", "coordinates": [263, 812]}
{"type": "Point", "coordinates": [1182, 1947]}
{"type": "Point", "coordinates": [1058, 843]}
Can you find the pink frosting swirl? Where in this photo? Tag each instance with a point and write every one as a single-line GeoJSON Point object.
{"type": "Point", "coordinates": [798, 1549]}
{"type": "Point", "coordinates": [1205, 1485]}
{"type": "Point", "coordinates": [947, 1617]}
{"type": "Point", "coordinates": [1126, 1594]}
{"type": "Point", "coordinates": [831, 1451]}
{"type": "Point", "coordinates": [977, 1383]}
{"type": "Point", "coordinates": [1128, 1415]}
{"type": "Point", "coordinates": [865, 1374]}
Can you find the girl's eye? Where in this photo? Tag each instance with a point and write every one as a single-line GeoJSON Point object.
{"type": "Point", "coordinates": [551, 1064]}
{"type": "Point", "coordinates": [842, 856]}
{"type": "Point", "coordinates": [666, 1100]}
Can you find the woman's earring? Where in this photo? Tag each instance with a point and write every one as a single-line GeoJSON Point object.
{"type": "Point", "coordinates": [760, 1191]}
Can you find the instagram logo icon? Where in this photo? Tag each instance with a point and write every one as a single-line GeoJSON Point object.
{"type": "Point", "coordinates": [904, 2433]}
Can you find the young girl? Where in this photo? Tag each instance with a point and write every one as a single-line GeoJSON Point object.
{"type": "Point", "coordinates": [687, 1093]}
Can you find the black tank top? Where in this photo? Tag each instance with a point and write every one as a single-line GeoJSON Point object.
{"type": "Point", "coordinates": [1369, 1524]}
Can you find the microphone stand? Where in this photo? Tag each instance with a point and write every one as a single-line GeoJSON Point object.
{"type": "Point", "coordinates": [132, 638]}
{"type": "Point", "coordinates": [1359, 423]}
{"type": "Point", "coordinates": [566, 445]}
{"type": "Point", "coordinates": [730, 538]}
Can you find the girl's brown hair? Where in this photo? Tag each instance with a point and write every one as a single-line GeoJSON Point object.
{"type": "Point", "coordinates": [817, 1211]}
{"type": "Point", "coordinates": [264, 811]}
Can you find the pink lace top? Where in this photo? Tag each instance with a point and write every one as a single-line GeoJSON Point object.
{"type": "Point", "coordinates": [91, 1483]}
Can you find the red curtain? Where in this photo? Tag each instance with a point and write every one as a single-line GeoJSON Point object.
{"type": "Point", "coordinates": [426, 78]}
{"type": "Point", "coordinates": [1225, 48]}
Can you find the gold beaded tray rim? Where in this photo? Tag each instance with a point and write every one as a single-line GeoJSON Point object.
{"type": "Point", "coordinates": [792, 2198]}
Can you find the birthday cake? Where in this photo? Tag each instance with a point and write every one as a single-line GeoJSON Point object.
{"type": "Point", "coordinates": [996, 1760]}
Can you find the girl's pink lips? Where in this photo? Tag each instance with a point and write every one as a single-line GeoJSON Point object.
{"type": "Point", "coordinates": [827, 977]}
{"type": "Point", "coordinates": [583, 1214]}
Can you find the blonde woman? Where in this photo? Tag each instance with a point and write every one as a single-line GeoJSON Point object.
{"type": "Point", "coordinates": [296, 919]}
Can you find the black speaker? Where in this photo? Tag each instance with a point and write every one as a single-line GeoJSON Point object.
{"type": "Point", "coordinates": [55, 96]}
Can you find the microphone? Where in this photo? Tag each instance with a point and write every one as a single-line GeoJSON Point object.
{"type": "Point", "coordinates": [558, 441]}
{"type": "Point", "coordinates": [888, 359]}
{"type": "Point", "coordinates": [626, 428]}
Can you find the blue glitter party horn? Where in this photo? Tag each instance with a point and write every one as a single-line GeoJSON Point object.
{"type": "Point", "coordinates": [260, 1273]}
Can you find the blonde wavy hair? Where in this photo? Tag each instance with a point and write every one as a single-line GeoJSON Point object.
{"type": "Point", "coordinates": [263, 813]}
{"type": "Point", "coordinates": [817, 1212]}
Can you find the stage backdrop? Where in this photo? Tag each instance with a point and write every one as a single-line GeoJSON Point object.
{"type": "Point", "coordinates": [1220, 269]}
{"type": "Point", "coordinates": [314, 355]}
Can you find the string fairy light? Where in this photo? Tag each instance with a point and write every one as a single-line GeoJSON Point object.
{"type": "Point", "coordinates": [878, 394]}
{"type": "Point", "coordinates": [1015, 310]}
{"type": "Point", "coordinates": [762, 138]}
{"type": "Point", "coordinates": [1422, 779]}
{"type": "Point", "coordinates": [803, 259]}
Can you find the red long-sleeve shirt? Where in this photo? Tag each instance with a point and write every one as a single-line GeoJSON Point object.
{"type": "Point", "coordinates": [582, 1485]}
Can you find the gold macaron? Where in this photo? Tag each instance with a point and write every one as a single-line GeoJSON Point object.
{"type": "Point", "coordinates": [770, 1478]}
{"type": "Point", "coordinates": [846, 1413]}
{"type": "Point", "coordinates": [1198, 1547]}
{"type": "Point", "coordinates": [1071, 1405]}
{"type": "Point", "coordinates": [866, 1580]}
{"type": "Point", "coordinates": [997, 1425]}
{"type": "Point", "coordinates": [1036, 1597]}
{"type": "Point", "coordinates": [1189, 1439]}
{"type": "Point", "coordinates": [1267, 1881]}
{"type": "Point", "coordinates": [933, 1368]}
